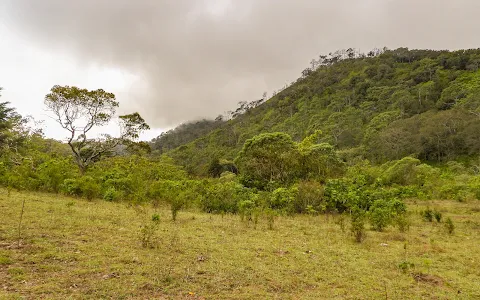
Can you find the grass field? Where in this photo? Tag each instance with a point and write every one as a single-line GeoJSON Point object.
{"type": "Point", "coordinates": [75, 249]}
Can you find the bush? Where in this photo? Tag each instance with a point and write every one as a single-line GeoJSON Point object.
{"type": "Point", "coordinates": [84, 186]}
{"type": "Point", "coordinates": [449, 226]}
{"type": "Point", "coordinates": [427, 215]}
{"type": "Point", "coordinates": [310, 198]}
{"type": "Point", "coordinates": [437, 215]}
{"type": "Point", "coordinates": [246, 209]}
{"type": "Point", "coordinates": [339, 195]}
{"type": "Point", "coordinates": [283, 199]}
{"type": "Point", "coordinates": [358, 224]}
{"type": "Point", "coordinates": [402, 172]}
{"type": "Point", "coordinates": [384, 212]}
{"type": "Point", "coordinates": [403, 223]}
{"type": "Point", "coordinates": [224, 197]}
{"type": "Point", "coordinates": [111, 194]}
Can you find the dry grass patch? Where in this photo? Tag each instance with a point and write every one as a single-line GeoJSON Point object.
{"type": "Point", "coordinates": [71, 248]}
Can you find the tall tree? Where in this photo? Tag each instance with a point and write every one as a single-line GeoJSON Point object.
{"type": "Point", "coordinates": [9, 120]}
{"type": "Point", "coordinates": [78, 111]}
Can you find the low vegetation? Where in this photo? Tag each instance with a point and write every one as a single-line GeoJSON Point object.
{"type": "Point", "coordinates": [76, 248]}
{"type": "Point", "coordinates": [344, 184]}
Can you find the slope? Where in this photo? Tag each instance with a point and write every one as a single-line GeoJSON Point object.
{"type": "Point", "coordinates": [381, 106]}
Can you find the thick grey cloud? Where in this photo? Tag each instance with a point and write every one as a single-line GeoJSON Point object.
{"type": "Point", "coordinates": [199, 58]}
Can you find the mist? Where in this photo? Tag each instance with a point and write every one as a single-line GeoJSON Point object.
{"type": "Point", "coordinates": [196, 59]}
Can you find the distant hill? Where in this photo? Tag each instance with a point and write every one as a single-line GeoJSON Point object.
{"type": "Point", "coordinates": [381, 106]}
{"type": "Point", "coordinates": [183, 134]}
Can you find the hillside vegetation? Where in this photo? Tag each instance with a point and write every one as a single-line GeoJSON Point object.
{"type": "Point", "coordinates": [382, 106]}
{"type": "Point", "coordinates": [360, 179]}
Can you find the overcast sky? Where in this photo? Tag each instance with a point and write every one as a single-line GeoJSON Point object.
{"type": "Point", "coordinates": [180, 60]}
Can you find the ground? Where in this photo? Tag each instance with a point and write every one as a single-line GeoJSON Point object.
{"type": "Point", "coordinates": [75, 249]}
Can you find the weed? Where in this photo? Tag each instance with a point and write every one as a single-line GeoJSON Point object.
{"type": "Point", "coordinates": [405, 266]}
{"type": "Point", "coordinates": [340, 221]}
{"type": "Point", "coordinates": [403, 223]}
{"type": "Point", "coordinates": [5, 260]}
{"type": "Point", "coordinates": [449, 226]}
{"type": "Point", "coordinates": [438, 216]}
{"type": "Point", "coordinates": [358, 224]}
{"type": "Point", "coordinates": [20, 222]}
{"type": "Point", "coordinates": [156, 218]}
{"type": "Point", "coordinates": [270, 215]}
{"type": "Point", "coordinates": [148, 231]}
{"type": "Point", "coordinates": [427, 214]}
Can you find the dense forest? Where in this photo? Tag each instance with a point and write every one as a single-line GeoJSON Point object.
{"type": "Point", "coordinates": [355, 133]}
{"type": "Point", "coordinates": [382, 106]}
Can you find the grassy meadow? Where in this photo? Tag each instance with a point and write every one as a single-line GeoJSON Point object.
{"type": "Point", "coordinates": [71, 248]}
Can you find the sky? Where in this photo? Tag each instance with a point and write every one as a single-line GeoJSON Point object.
{"type": "Point", "coordinates": [180, 60]}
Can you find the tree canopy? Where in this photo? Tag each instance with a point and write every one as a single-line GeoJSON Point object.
{"type": "Point", "coordinates": [78, 111]}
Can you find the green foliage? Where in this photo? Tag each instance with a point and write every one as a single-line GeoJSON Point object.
{"type": "Point", "coordinates": [438, 216]}
{"type": "Point", "coordinates": [384, 212]}
{"type": "Point", "coordinates": [405, 266]}
{"type": "Point", "coordinates": [111, 194]}
{"type": "Point", "coordinates": [309, 198]}
{"type": "Point", "coordinates": [178, 194]}
{"type": "Point", "coordinates": [84, 186]}
{"type": "Point", "coordinates": [357, 228]}
{"type": "Point", "coordinates": [427, 215]}
{"type": "Point", "coordinates": [78, 111]}
{"type": "Point", "coordinates": [386, 106]}
{"type": "Point", "coordinates": [225, 197]}
{"type": "Point", "coordinates": [449, 226]}
{"type": "Point", "coordinates": [270, 215]}
{"type": "Point", "coordinates": [268, 158]}
{"type": "Point", "coordinates": [148, 231]}
{"type": "Point", "coordinates": [403, 222]}
{"type": "Point", "coordinates": [283, 199]}
{"type": "Point", "coordinates": [320, 162]}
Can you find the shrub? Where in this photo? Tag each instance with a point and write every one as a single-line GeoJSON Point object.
{"type": "Point", "coordinates": [270, 215]}
{"type": "Point", "coordinates": [427, 215]}
{"type": "Point", "coordinates": [437, 215]}
{"type": "Point", "coordinates": [71, 187]}
{"type": "Point", "coordinates": [358, 224]}
{"type": "Point", "coordinates": [402, 171]}
{"type": "Point", "coordinates": [111, 194]}
{"type": "Point", "coordinates": [224, 197]}
{"type": "Point", "coordinates": [147, 233]}
{"type": "Point", "coordinates": [449, 226]}
{"type": "Point", "coordinates": [84, 186]}
{"type": "Point", "coordinates": [339, 195]}
{"type": "Point", "coordinates": [380, 217]}
{"type": "Point", "coordinates": [310, 198]}
{"type": "Point", "coordinates": [175, 193]}
{"type": "Point", "coordinates": [403, 223]}
{"type": "Point", "coordinates": [283, 199]}
{"type": "Point", "coordinates": [246, 209]}
{"type": "Point", "coordinates": [385, 211]}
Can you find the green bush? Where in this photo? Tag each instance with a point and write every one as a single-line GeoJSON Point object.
{"type": "Point", "coordinates": [310, 198]}
{"type": "Point", "coordinates": [437, 215]}
{"type": "Point", "coordinates": [246, 209]}
{"type": "Point", "coordinates": [427, 215]}
{"type": "Point", "coordinates": [358, 224]}
{"type": "Point", "coordinates": [111, 194]}
{"type": "Point", "coordinates": [384, 212]}
{"type": "Point", "coordinates": [224, 197]}
{"type": "Point", "coordinates": [84, 186]}
{"type": "Point", "coordinates": [283, 199]}
{"type": "Point", "coordinates": [449, 226]}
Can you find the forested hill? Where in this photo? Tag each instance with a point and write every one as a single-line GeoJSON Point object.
{"type": "Point", "coordinates": [381, 106]}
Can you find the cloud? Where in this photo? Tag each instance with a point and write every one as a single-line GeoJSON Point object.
{"type": "Point", "coordinates": [198, 58]}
